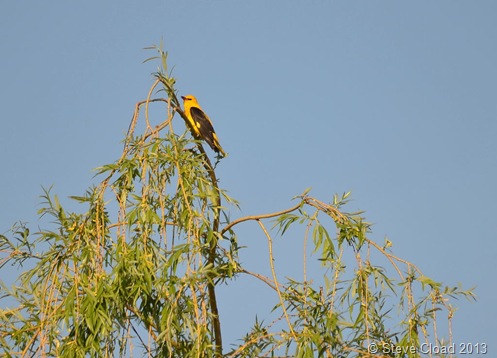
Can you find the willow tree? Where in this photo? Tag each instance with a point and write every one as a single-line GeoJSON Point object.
{"type": "Point", "coordinates": [136, 273]}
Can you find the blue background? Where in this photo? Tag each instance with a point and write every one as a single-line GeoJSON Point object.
{"type": "Point", "coordinates": [394, 101]}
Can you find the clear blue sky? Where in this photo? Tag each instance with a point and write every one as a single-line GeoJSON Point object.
{"type": "Point", "coordinates": [395, 101]}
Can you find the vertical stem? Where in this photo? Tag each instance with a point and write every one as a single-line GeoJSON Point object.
{"type": "Point", "coordinates": [211, 257]}
{"type": "Point", "coordinates": [216, 323]}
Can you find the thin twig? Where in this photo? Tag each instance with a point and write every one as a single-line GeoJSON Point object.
{"type": "Point", "coordinates": [259, 217]}
{"type": "Point", "coordinates": [275, 278]}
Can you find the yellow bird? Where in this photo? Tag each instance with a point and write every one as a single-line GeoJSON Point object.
{"type": "Point", "coordinates": [200, 124]}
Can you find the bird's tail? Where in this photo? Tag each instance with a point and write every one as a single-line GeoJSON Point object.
{"type": "Point", "coordinates": [217, 146]}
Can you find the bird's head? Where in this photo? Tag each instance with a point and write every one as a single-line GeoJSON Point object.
{"type": "Point", "coordinates": [189, 98]}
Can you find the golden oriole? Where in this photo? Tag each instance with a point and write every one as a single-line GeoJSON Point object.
{"type": "Point", "coordinates": [200, 124]}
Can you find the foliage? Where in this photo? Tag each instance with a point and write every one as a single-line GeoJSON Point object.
{"type": "Point", "coordinates": [135, 274]}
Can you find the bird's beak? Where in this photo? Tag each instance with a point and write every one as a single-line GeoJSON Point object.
{"type": "Point", "coordinates": [183, 98]}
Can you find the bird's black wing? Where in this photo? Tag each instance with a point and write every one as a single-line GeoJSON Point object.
{"type": "Point", "coordinates": [204, 126]}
